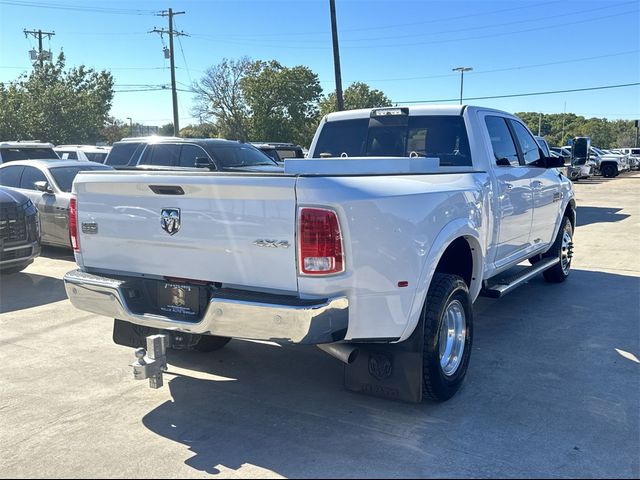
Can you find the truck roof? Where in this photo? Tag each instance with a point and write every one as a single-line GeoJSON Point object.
{"type": "Point", "coordinates": [413, 110]}
{"type": "Point", "coordinates": [26, 144]}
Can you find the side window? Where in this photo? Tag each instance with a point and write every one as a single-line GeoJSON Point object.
{"type": "Point", "coordinates": [123, 153]}
{"type": "Point", "coordinates": [30, 176]}
{"type": "Point", "coordinates": [528, 145]}
{"type": "Point", "coordinates": [501, 140]}
{"type": "Point", "coordinates": [162, 154]}
{"type": "Point", "coordinates": [10, 176]}
{"type": "Point", "coordinates": [68, 155]}
{"type": "Point", "coordinates": [189, 153]}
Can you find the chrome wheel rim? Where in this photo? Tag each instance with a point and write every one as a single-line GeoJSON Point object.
{"type": "Point", "coordinates": [453, 335]}
{"type": "Point", "coordinates": [566, 252]}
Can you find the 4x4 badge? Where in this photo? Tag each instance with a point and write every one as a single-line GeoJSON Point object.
{"type": "Point", "coordinates": [170, 220]}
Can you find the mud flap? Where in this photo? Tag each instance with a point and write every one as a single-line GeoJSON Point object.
{"type": "Point", "coordinates": [128, 334]}
{"type": "Point", "coordinates": [392, 371]}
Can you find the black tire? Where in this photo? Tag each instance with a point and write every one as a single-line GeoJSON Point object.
{"type": "Point", "coordinates": [559, 272]}
{"type": "Point", "coordinates": [16, 269]}
{"type": "Point", "coordinates": [536, 259]}
{"type": "Point", "coordinates": [445, 289]}
{"type": "Point", "coordinates": [210, 343]}
{"type": "Point", "coordinates": [609, 171]}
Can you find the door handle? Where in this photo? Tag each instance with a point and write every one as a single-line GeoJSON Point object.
{"type": "Point", "coordinates": [536, 184]}
{"type": "Point", "coordinates": [509, 186]}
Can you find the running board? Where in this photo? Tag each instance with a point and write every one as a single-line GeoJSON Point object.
{"type": "Point", "coordinates": [502, 286]}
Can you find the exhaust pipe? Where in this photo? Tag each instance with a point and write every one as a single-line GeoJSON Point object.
{"type": "Point", "coordinates": [344, 352]}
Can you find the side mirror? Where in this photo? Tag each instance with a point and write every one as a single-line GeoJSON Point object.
{"type": "Point", "coordinates": [43, 186]}
{"type": "Point", "coordinates": [553, 162]}
{"type": "Point", "coordinates": [204, 162]}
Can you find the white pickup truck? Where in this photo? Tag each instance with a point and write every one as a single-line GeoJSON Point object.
{"type": "Point", "coordinates": [374, 248]}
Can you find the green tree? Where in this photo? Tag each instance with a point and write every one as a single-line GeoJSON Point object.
{"type": "Point", "coordinates": [113, 130]}
{"type": "Point", "coordinates": [357, 95]}
{"type": "Point", "coordinates": [559, 128]}
{"type": "Point", "coordinates": [203, 130]}
{"type": "Point", "coordinates": [166, 130]}
{"type": "Point", "coordinates": [220, 98]}
{"type": "Point", "coordinates": [283, 102]}
{"type": "Point", "coordinates": [56, 105]}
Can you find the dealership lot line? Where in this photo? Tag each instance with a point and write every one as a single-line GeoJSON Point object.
{"type": "Point", "coordinates": [553, 388]}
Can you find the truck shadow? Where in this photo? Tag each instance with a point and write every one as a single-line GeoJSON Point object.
{"type": "Point", "coordinates": [25, 290]}
{"type": "Point", "coordinates": [590, 215]}
{"type": "Point", "coordinates": [263, 410]}
{"type": "Point", "coordinates": [57, 253]}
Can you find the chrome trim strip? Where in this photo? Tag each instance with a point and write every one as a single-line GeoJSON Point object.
{"type": "Point", "coordinates": [324, 322]}
{"type": "Point", "coordinates": [18, 247]}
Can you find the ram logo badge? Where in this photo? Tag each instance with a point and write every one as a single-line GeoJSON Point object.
{"type": "Point", "coordinates": [170, 220]}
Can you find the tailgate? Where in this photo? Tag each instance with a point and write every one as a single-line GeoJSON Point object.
{"type": "Point", "coordinates": [216, 228]}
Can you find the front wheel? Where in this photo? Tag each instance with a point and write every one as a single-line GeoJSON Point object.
{"type": "Point", "coordinates": [563, 249]}
{"type": "Point", "coordinates": [448, 324]}
{"type": "Point", "coordinates": [609, 171]}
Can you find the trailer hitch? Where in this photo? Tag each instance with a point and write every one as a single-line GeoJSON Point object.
{"type": "Point", "coordinates": [152, 362]}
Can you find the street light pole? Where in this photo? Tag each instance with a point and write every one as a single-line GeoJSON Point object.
{"type": "Point", "coordinates": [130, 126]}
{"type": "Point", "coordinates": [461, 70]}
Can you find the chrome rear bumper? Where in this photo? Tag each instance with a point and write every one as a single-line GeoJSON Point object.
{"type": "Point", "coordinates": [293, 321]}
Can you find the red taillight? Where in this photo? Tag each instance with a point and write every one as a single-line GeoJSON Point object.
{"type": "Point", "coordinates": [73, 224]}
{"type": "Point", "coordinates": [320, 242]}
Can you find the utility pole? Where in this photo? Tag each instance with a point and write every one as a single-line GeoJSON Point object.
{"type": "Point", "coordinates": [539, 123]}
{"type": "Point", "coordinates": [170, 13]}
{"type": "Point", "coordinates": [336, 56]}
{"type": "Point", "coordinates": [564, 113]}
{"type": "Point", "coordinates": [130, 126]}
{"type": "Point", "coordinates": [461, 70]}
{"type": "Point", "coordinates": [39, 34]}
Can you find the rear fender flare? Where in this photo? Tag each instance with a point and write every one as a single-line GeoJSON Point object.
{"type": "Point", "coordinates": [460, 228]}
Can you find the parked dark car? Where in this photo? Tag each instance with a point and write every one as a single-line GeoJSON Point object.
{"type": "Point", "coordinates": [284, 150]}
{"type": "Point", "coordinates": [189, 153]}
{"type": "Point", "coordinates": [19, 231]}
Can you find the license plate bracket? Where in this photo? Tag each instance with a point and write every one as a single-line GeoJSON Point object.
{"type": "Point", "coordinates": [177, 300]}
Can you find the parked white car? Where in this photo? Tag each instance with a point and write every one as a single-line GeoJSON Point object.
{"type": "Point", "coordinates": [373, 248]}
{"type": "Point", "coordinates": [85, 153]}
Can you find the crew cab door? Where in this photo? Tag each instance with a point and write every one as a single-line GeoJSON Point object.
{"type": "Point", "coordinates": [545, 187]}
{"type": "Point", "coordinates": [514, 201]}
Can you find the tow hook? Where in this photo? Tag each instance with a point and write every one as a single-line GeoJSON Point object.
{"type": "Point", "coordinates": [152, 362]}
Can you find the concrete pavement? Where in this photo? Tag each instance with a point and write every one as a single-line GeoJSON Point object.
{"type": "Point", "coordinates": [553, 388]}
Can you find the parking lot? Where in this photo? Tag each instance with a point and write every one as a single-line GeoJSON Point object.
{"type": "Point", "coordinates": [553, 389]}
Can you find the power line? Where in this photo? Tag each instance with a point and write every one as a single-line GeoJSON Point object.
{"type": "Point", "coordinates": [184, 58]}
{"type": "Point", "coordinates": [563, 25]}
{"type": "Point", "coordinates": [499, 34]}
{"type": "Point", "coordinates": [397, 25]}
{"type": "Point", "coordinates": [504, 69]}
{"type": "Point", "coordinates": [525, 94]}
{"type": "Point", "coordinates": [78, 8]}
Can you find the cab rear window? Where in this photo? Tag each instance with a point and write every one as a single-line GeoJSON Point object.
{"type": "Point", "coordinates": [434, 136]}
